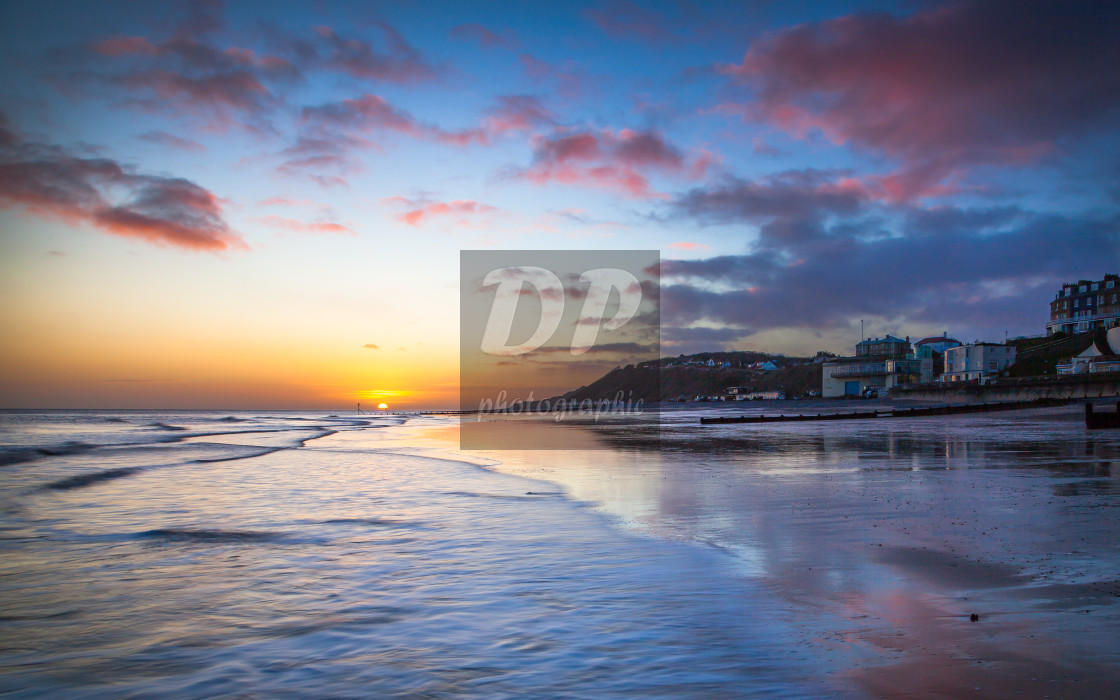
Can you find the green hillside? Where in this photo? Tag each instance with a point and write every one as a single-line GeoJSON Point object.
{"type": "Point", "coordinates": [1037, 357]}
{"type": "Point", "coordinates": [652, 382]}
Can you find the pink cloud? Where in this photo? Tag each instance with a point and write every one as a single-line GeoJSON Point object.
{"type": "Point", "coordinates": [298, 226]}
{"type": "Point", "coordinates": [484, 36]}
{"type": "Point", "coordinates": [420, 212]}
{"type": "Point", "coordinates": [325, 157]}
{"type": "Point", "coordinates": [162, 138]}
{"type": "Point", "coordinates": [570, 83]}
{"type": "Point", "coordinates": [333, 132]}
{"type": "Point", "coordinates": [610, 160]}
{"type": "Point", "coordinates": [940, 90]}
{"type": "Point", "coordinates": [515, 113]}
{"type": "Point", "coordinates": [393, 59]}
{"type": "Point", "coordinates": [625, 19]}
{"type": "Point", "coordinates": [285, 202]}
{"type": "Point", "coordinates": [118, 46]}
{"type": "Point", "coordinates": [371, 113]}
{"type": "Point", "coordinates": [689, 245]}
{"type": "Point", "coordinates": [186, 73]}
{"type": "Point", "coordinates": [191, 72]}
{"type": "Point", "coordinates": [47, 181]}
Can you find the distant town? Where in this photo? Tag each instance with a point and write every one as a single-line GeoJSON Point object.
{"type": "Point", "coordinates": [1082, 337]}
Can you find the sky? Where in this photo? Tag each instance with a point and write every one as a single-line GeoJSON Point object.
{"type": "Point", "coordinates": [262, 205]}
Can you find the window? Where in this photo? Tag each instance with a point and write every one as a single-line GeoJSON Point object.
{"type": "Point", "coordinates": [1110, 284]}
{"type": "Point", "coordinates": [1076, 303]}
{"type": "Point", "coordinates": [1096, 286]}
{"type": "Point", "coordinates": [1069, 290]}
{"type": "Point", "coordinates": [1082, 288]}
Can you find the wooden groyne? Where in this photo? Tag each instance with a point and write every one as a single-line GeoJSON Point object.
{"type": "Point", "coordinates": [1100, 421]}
{"type": "Point", "coordinates": [916, 412]}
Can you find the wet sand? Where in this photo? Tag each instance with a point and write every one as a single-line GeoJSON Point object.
{"type": "Point", "coordinates": [881, 540]}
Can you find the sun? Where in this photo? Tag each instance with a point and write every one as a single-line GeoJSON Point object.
{"type": "Point", "coordinates": [383, 406]}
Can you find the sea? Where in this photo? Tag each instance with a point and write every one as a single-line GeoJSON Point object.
{"type": "Point", "coordinates": [327, 554]}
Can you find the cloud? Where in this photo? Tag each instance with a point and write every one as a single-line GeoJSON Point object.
{"type": "Point", "coordinates": [515, 113]}
{"type": "Point", "coordinates": [285, 202]}
{"type": "Point", "coordinates": [485, 37]}
{"type": "Point", "coordinates": [422, 211]}
{"type": "Point", "coordinates": [372, 113]}
{"type": "Point", "coordinates": [827, 252]}
{"type": "Point", "coordinates": [689, 245]}
{"type": "Point", "coordinates": [331, 133]}
{"type": "Point", "coordinates": [8, 137]}
{"type": "Point", "coordinates": [568, 80]}
{"type": "Point", "coordinates": [48, 181]}
{"type": "Point", "coordinates": [162, 138]}
{"type": "Point", "coordinates": [391, 59]}
{"type": "Point", "coordinates": [298, 226]}
{"type": "Point", "coordinates": [942, 89]}
{"type": "Point", "coordinates": [788, 206]}
{"type": "Point", "coordinates": [124, 46]}
{"type": "Point", "coordinates": [371, 346]}
{"type": "Point", "coordinates": [698, 338]}
{"type": "Point", "coordinates": [623, 19]}
{"type": "Point", "coordinates": [185, 73]}
{"type": "Point", "coordinates": [610, 160]}
{"type": "Point", "coordinates": [623, 348]}
{"type": "Point", "coordinates": [325, 157]}
{"type": "Point", "coordinates": [193, 72]}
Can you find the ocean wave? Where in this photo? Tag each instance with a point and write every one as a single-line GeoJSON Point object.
{"type": "Point", "coordinates": [165, 426]}
{"type": "Point", "coordinates": [17, 455]}
{"type": "Point", "coordinates": [325, 433]}
{"type": "Point", "coordinates": [529, 495]}
{"type": "Point", "coordinates": [77, 482]}
{"type": "Point", "coordinates": [205, 536]}
{"type": "Point", "coordinates": [259, 453]}
{"type": "Point", "coordinates": [374, 522]}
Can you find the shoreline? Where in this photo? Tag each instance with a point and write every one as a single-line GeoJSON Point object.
{"type": "Point", "coordinates": [857, 549]}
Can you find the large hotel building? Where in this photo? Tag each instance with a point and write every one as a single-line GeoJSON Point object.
{"type": "Point", "coordinates": [1085, 305]}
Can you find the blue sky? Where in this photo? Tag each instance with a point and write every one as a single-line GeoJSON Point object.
{"type": "Point", "coordinates": [280, 186]}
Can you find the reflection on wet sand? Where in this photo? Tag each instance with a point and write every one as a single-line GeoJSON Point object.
{"type": "Point", "coordinates": [532, 432]}
{"type": "Point", "coordinates": [883, 540]}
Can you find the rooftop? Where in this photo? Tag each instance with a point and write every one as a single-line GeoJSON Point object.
{"type": "Point", "coordinates": [884, 339]}
{"type": "Point", "coordinates": [937, 339]}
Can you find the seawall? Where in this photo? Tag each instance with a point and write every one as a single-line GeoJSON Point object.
{"type": "Point", "coordinates": [1078, 386]}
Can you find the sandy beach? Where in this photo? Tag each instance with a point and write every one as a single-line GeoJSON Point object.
{"type": "Point", "coordinates": [884, 538]}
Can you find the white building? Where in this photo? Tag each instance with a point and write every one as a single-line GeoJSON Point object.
{"type": "Point", "coordinates": [978, 361]}
{"type": "Point", "coordinates": [1102, 355]}
{"type": "Point", "coordinates": [852, 377]}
